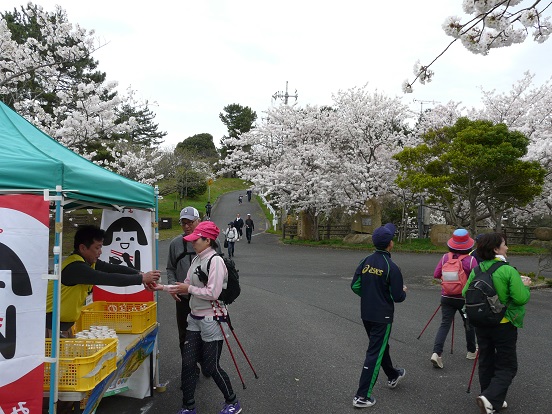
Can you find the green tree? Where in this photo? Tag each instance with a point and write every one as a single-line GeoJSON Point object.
{"type": "Point", "coordinates": [200, 145]}
{"type": "Point", "coordinates": [472, 170]}
{"type": "Point", "coordinates": [145, 132]}
{"type": "Point", "coordinates": [238, 120]}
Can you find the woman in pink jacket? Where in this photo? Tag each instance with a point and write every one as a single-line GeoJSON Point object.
{"type": "Point", "coordinates": [452, 301]}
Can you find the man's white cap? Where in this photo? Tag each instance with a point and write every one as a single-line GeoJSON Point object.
{"type": "Point", "coordinates": [189, 213]}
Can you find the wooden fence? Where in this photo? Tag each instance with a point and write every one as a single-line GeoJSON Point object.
{"type": "Point", "coordinates": [325, 232]}
{"type": "Point", "coordinates": [514, 235]}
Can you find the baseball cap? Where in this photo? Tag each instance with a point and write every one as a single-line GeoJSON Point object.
{"type": "Point", "coordinates": [383, 235]}
{"type": "Point", "coordinates": [206, 229]}
{"type": "Point", "coordinates": [189, 213]}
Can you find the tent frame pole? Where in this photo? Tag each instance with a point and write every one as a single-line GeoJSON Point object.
{"type": "Point", "coordinates": [56, 305]}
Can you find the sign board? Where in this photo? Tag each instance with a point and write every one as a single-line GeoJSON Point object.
{"type": "Point", "coordinates": [23, 261]}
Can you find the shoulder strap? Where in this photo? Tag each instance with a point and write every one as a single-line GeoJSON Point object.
{"type": "Point", "coordinates": [184, 253]}
{"type": "Point", "coordinates": [494, 266]}
{"type": "Point", "coordinates": [209, 261]}
{"type": "Point", "coordinates": [491, 269]}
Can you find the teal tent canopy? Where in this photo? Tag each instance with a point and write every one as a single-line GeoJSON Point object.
{"type": "Point", "coordinates": [33, 161]}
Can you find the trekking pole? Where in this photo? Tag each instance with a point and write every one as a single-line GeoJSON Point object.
{"type": "Point", "coordinates": [430, 319]}
{"type": "Point", "coordinates": [228, 344]}
{"type": "Point", "coordinates": [452, 340]}
{"type": "Point", "coordinates": [473, 370]}
{"type": "Point", "coordinates": [237, 340]}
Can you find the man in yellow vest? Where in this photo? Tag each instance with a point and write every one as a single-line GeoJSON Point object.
{"type": "Point", "coordinates": [82, 270]}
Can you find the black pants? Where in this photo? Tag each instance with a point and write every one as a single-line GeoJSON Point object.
{"type": "Point", "coordinates": [248, 231]}
{"type": "Point", "coordinates": [182, 312]}
{"type": "Point", "coordinates": [497, 361]}
{"type": "Point", "coordinates": [209, 352]}
{"type": "Point", "coordinates": [377, 356]}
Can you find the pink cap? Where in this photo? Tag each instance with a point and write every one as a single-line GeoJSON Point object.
{"type": "Point", "coordinates": [206, 229]}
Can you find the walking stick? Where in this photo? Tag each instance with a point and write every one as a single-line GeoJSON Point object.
{"type": "Point", "coordinates": [237, 340]}
{"type": "Point", "coordinates": [473, 370]}
{"type": "Point", "coordinates": [228, 344]}
{"type": "Point", "coordinates": [430, 319]}
{"type": "Point", "coordinates": [452, 340]}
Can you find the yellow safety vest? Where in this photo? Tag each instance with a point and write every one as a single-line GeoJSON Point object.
{"type": "Point", "coordinates": [72, 297]}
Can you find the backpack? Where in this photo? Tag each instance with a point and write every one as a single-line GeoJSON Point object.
{"type": "Point", "coordinates": [483, 308]}
{"type": "Point", "coordinates": [453, 276]}
{"type": "Point", "coordinates": [233, 288]}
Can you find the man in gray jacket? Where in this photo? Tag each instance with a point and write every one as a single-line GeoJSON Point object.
{"type": "Point", "coordinates": [180, 257]}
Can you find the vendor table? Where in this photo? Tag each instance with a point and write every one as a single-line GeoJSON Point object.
{"type": "Point", "coordinates": [132, 351]}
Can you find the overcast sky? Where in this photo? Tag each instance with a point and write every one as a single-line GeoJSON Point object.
{"type": "Point", "coordinates": [194, 58]}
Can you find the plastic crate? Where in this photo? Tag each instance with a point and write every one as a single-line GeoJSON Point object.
{"type": "Point", "coordinates": [124, 317]}
{"type": "Point", "coordinates": [83, 363]}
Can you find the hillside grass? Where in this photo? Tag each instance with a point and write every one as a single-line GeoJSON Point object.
{"type": "Point", "coordinates": [169, 207]}
{"type": "Point", "coordinates": [411, 245]}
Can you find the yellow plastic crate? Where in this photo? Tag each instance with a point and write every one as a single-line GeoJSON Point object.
{"type": "Point", "coordinates": [83, 363]}
{"type": "Point", "coordinates": [124, 317]}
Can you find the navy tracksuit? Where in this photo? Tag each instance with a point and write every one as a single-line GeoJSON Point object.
{"type": "Point", "coordinates": [379, 283]}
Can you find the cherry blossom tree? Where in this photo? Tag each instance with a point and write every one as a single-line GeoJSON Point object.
{"type": "Point", "coordinates": [526, 108]}
{"type": "Point", "coordinates": [47, 75]}
{"type": "Point", "coordinates": [317, 159]}
{"type": "Point", "coordinates": [491, 24]}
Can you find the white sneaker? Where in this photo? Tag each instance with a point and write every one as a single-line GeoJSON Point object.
{"type": "Point", "coordinates": [471, 355]}
{"type": "Point", "coordinates": [360, 402]}
{"type": "Point", "coordinates": [485, 407]}
{"type": "Point", "coordinates": [504, 404]}
{"type": "Point", "coordinates": [436, 360]}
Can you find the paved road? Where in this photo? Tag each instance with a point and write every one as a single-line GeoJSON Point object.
{"type": "Point", "coordinates": [299, 324]}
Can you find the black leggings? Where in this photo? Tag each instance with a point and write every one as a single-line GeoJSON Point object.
{"type": "Point", "coordinates": [210, 357]}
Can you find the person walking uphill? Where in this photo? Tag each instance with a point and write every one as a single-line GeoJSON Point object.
{"type": "Point", "coordinates": [379, 283]}
{"type": "Point", "coordinates": [249, 227]}
{"type": "Point", "coordinates": [204, 336]}
{"type": "Point", "coordinates": [497, 344]}
{"type": "Point", "coordinates": [231, 235]}
{"type": "Point", "coordinates": [453, 270]}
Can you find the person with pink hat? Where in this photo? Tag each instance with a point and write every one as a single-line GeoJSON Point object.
{"type": "Point", "coordinates": [206, 278]}
{"type": "Point", "coordinates": [452, 301]}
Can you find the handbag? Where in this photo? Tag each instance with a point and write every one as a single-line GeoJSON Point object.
{"type": "Point", "coordinates": [225, 242]}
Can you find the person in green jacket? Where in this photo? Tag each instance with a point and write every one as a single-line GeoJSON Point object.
{"type": "Point", "coordinates": [497, 344]}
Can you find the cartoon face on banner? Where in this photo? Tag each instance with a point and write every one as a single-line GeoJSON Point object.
{"type": "Point", "coordinates": [23, 242]}
{"type": "Point", "coordinates": [127, 243]}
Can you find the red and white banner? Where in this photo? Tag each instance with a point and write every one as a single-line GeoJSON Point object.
{"type": "Point", "coordinates": [128, 242]}
{"type": "Point", "coordinates": [23, 261]}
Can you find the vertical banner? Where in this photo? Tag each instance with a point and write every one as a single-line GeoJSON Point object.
{"type": "Point", "coordinates": [23, 260]}
{"type": "Point", "coordinates": [128, 242]}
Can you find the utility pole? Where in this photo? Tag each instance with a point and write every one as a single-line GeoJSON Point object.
{"type": "Point", "coordinates": [424, 102]}
{"type": "Point", "coordinates": [285, 96]}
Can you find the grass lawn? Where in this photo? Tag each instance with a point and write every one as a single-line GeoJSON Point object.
{"type": "Point", "coordinates": [169, 207]}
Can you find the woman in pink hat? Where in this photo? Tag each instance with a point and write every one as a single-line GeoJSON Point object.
{"type": "Point", "coordinates": [453, 271]}
{"type": "Point", "coordinates": [206, 278]}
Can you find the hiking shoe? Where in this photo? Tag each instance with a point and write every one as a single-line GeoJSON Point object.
{"type": "Point", "coordinates": [186, 411]}
{"type": "Point", "coordinates": [231, 408]}
{"type": "Point", "coordinates": [361, 402]}
{"type": "Point", "coordinates": [437, 361]}
{"type": "Point", "coordinates": [471, 355]}
{"type": "Point", "coordinates": [401, 372]}
{"type": "Point", "coordinates": [485, 407]}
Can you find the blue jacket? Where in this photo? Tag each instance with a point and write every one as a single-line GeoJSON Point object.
{"type": "Point", "coordinates": [379, 283]}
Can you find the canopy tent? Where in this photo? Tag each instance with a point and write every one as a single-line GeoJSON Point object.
{"type": "Point", "coordinates": [31, 160]}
